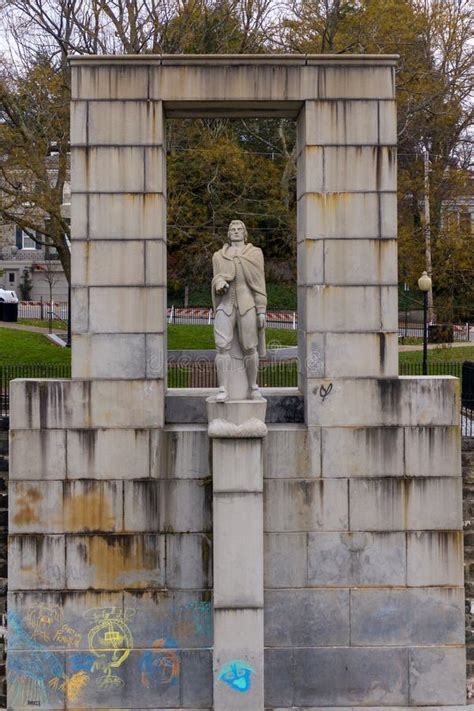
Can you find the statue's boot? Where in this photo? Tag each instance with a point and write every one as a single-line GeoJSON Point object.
{"type": "Point", "coordinates": [222, 395]}
{"type": "Point", "coordinates": [223, 365]}
{"type": "Point", "coordinates": [255, 393]}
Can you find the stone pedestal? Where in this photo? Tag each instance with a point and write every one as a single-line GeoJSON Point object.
{"type": "Point", "coordinates": [237, 429]}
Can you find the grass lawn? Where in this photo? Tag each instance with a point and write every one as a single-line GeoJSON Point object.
{"type": "Point", "coordinates": [439, 355]}
{"type": "Point", "coordinates": [44, 323]}
{"type": "Point", "coordinates": [18, 347]}
{"type": "Point", "coordinates": [184, 337]}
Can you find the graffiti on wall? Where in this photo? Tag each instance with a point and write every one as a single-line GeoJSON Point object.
{"type": "Point", "coordinates": [237, 674]}
{"type": "Point", "coordinates": [99, 645]}
{"type": "Point", "coordinates": [41, 621]}
{"type": "Point", "coordinates": [160, 665]}
{"type": "Point", "coordinates": [30, 673]}
{"type": "Point", "coordinates": [110, 642]}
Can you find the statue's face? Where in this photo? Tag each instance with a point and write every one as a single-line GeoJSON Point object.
{"type": "Point", "coordinates": [236, 232]}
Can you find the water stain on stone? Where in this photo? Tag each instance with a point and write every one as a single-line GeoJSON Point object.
{"type": "Point", "coordinates": [206, 552]}
{"type": "Point", "coordinates": [307, 488]}
{"type": "Point", "coordinates": [382, 350]}
{"type": "Point", "coordinates": [356, 542]}
{"type": "Point", "coordinates": [390, 396]}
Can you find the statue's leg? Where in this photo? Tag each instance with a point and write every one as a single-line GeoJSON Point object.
{"type": "Point", "coordinates": [223, 334]}
{"type": "Point", "coordinates": [251, 366]}
{"type": "Point", "coordinates": [249, 341]}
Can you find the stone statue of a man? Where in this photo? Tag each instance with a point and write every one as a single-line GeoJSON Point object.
{"type": "Point", "coordinates": [240, 300]}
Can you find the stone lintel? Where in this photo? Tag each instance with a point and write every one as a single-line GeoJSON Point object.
{"type": "Point", "coordinates": [238, 59]}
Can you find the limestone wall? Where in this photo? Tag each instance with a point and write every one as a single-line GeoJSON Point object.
{"type": "Point", "coordinates": [364, 575]}
{"type": "Point", "coordinates": [110, 516]}
{"type": "Point", "coordinates": [468, 481]}
{"type": "Point", "coordinates": [111, 557]}
{"type": "Point", "coordinates": [3, 551]}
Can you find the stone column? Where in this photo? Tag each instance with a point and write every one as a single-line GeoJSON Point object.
{"type": "Point", "coordinates": [118, 212]}
{"type": "Point", "coordinates": [237, 429]}
{"type": "Point", "coordinates": [347, 228]}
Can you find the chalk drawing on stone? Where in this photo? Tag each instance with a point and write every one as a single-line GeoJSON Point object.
{"type": "Point", "coordinates": [192, 618]}
{"type": "Point", "coordinates": [75, 684]}
{"type": "Point", "coordinates": [110, 641]}
{"type": "Point", "coordinates": [41, 619]}
{"type": "Point", "coordinates": [32, 669]}
{"type": "Point", "coordinates": [80, 668]}
{"type": "Point", "coordinates": [237, 674]}
{"type": "Point", "coordinates": [160, 665]}
{"type": "Point", "coordinates": [68, 636]}
{"type": "Point", "coordinates": [36, 672]}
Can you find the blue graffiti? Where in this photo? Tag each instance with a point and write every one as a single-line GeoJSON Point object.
{"type": "Point", "coordinates": [32, 671]}
{"type": "Point", "coordinates": [201, 616]}
{"type": "Point", "coordinates": [161, 664]}
{"type": "Point", "coordinates": [81, 661]}
{"type": "Point", "coordinates": [237, 674]}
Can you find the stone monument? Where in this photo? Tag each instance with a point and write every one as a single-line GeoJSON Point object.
{"type": "Point", "coordinates": [132, 585]}
{"type": "Point", "coordinates": [239, 297]}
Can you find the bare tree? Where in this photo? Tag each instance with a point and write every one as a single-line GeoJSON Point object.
{"type": "Point", "coordinates": [35, 82]}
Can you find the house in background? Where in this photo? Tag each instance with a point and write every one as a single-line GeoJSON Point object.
{"type": "Point", "coordinates": [20, 253]}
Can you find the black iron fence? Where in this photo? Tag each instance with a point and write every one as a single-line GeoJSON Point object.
{"type": "Point", "coordinates": [467, 422]}
{"type": "Point", "coordinates": [186, 375]}
{"type": "Point", "coordinates": [283, 374]}
{"type": "Point", "coordinates": [468, 384]}
{"type": "Point", "coordinates": [437, 332]}
{"type": "Point", "coordinates": [434, 368]}
{"type": "Point", "coordinates": [34, 370]}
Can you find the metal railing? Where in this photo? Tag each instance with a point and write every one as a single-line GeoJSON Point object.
{"type": "Point", "coordinates": [467, 422]}
{"type": "Point", "coordinates": [204, 316]}
{"type": "Point", "coordinates": [434, 368]}
{"type": "Point", "coordinates": [199, 374]}
{"type": "Point", "coordinates": [34, 370]}
{"type": "Point", "coordinates": [41, 309]}
{"type": "Point", "coordinates": [201, 316]}
{"type": "Point", "coordinates": [437, 332]}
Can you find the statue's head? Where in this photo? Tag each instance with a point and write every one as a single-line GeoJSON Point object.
{"type": "Point", "coordinates": [237, 225]}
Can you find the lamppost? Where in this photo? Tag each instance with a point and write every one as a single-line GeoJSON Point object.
{"type": "Point", "coordinates": [424, 285]}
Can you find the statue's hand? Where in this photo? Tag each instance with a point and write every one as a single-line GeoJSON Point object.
{"type": "Point", "coordinates": [261, 320]}
{"type": "Point", "coordinates": [221, 286]}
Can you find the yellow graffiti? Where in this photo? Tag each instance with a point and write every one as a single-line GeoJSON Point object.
{"type": "Point", "coordinates": [72, 685]}
{"type": "Point", "coordinates": [68, 636]}
{"type": "Point", "coordinates": [40, 619]}
{"type": "Point", "coordinates": [57, 683]}
{"type": "Point", "coordinates": [110, 641]}
{"type": "Point", "coordinates": [75, 684]}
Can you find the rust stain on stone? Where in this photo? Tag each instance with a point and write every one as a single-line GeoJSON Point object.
{"type": "Point", "coordinates": [128, 561]}
{"type": "Point", "coordinates": [26, 503]}
{"type": "Point", "coordinates": [88, 511]}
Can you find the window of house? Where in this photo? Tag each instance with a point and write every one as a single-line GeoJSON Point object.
{"type": "Point", "coordinates": [11, 277]}
{"type": "Point", "coordinates": [27, 242]}
{"type": "Point", "coordinates": [23, 241]}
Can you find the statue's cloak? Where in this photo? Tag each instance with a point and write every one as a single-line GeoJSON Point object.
{"type": "Point", "coordinates": [251, 261]}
